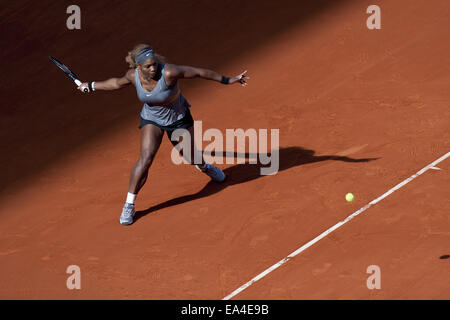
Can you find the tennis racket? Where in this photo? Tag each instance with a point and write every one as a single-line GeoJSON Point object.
{"type": "Point", "coordinates": [67, 71]}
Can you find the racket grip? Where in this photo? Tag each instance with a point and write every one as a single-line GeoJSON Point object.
{"type": "Point", "coordinates": [78, 83]}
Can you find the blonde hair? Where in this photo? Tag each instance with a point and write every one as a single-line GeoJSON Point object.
{"type": "Point", "coordinates": [132, 54]}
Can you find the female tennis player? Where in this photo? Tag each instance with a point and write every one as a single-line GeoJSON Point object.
{"type": "Point", "coordinates": [165, 109]}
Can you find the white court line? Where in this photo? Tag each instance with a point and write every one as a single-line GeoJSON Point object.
{"type": "Point", "coordinates": [336, 226]}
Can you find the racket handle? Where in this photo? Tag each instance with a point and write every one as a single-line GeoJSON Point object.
{"type": "Point", "coordinates": [78, 83]}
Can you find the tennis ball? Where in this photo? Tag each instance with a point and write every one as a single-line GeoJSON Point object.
{"type": "Point", "coordinates": [349, 197]}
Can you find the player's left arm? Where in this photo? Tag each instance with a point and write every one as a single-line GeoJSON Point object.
{"type": "Point", "coordinates": [174, 72]}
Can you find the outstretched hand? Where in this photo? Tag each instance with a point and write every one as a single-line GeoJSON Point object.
{"type": "Point", "coordinates": [240, 78]}
{"type": "Point", "coordinates": [83, 86]}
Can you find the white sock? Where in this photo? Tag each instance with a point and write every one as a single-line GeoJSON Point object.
{"type": "Point", "coordinates": [130, 198]}
{"type": "Point", "coordinates": [206, 167]}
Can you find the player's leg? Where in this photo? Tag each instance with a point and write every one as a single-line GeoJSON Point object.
{"type": "Point", "coordinates": [188, 134]}
{"type": "Point", "coordinates": [215, 173]}
{"type": "Point", "coordinates": [151, 137]}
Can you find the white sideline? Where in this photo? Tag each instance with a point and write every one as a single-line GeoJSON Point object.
{"type": "Point", "coordinates": [336, 226]}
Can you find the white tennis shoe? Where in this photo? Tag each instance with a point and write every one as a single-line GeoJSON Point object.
{"type": "Point", "coordinates": [215, 173]}
{"type": "Point", "coordinates": [127, 215]}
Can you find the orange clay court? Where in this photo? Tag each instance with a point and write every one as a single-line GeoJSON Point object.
{"type": "Point", "coordinates": [337, 91]}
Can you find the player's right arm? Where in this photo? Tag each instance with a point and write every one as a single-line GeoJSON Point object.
{"type": "Point", "coordinates": [110, 84]}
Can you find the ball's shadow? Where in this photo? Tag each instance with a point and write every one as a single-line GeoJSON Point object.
{"type": "Point", "coordinates": [288, 157]}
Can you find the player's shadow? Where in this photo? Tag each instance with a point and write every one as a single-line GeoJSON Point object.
{"type": "Point", "coordinates": [288, 157]}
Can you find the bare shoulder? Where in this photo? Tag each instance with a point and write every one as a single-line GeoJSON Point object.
{"type": "Point", "coordinates": [171, 73]}
{"type": "Point", "coordinates": [171, 70]}
{"type": "Point", "coordinates": [130, 74]}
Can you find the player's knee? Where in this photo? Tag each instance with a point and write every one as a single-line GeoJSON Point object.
{"type": "Point", "coordinates": [146, 159]}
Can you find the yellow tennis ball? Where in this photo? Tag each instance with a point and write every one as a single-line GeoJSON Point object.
{"type": "Point", "coordinates": [349, 197]}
